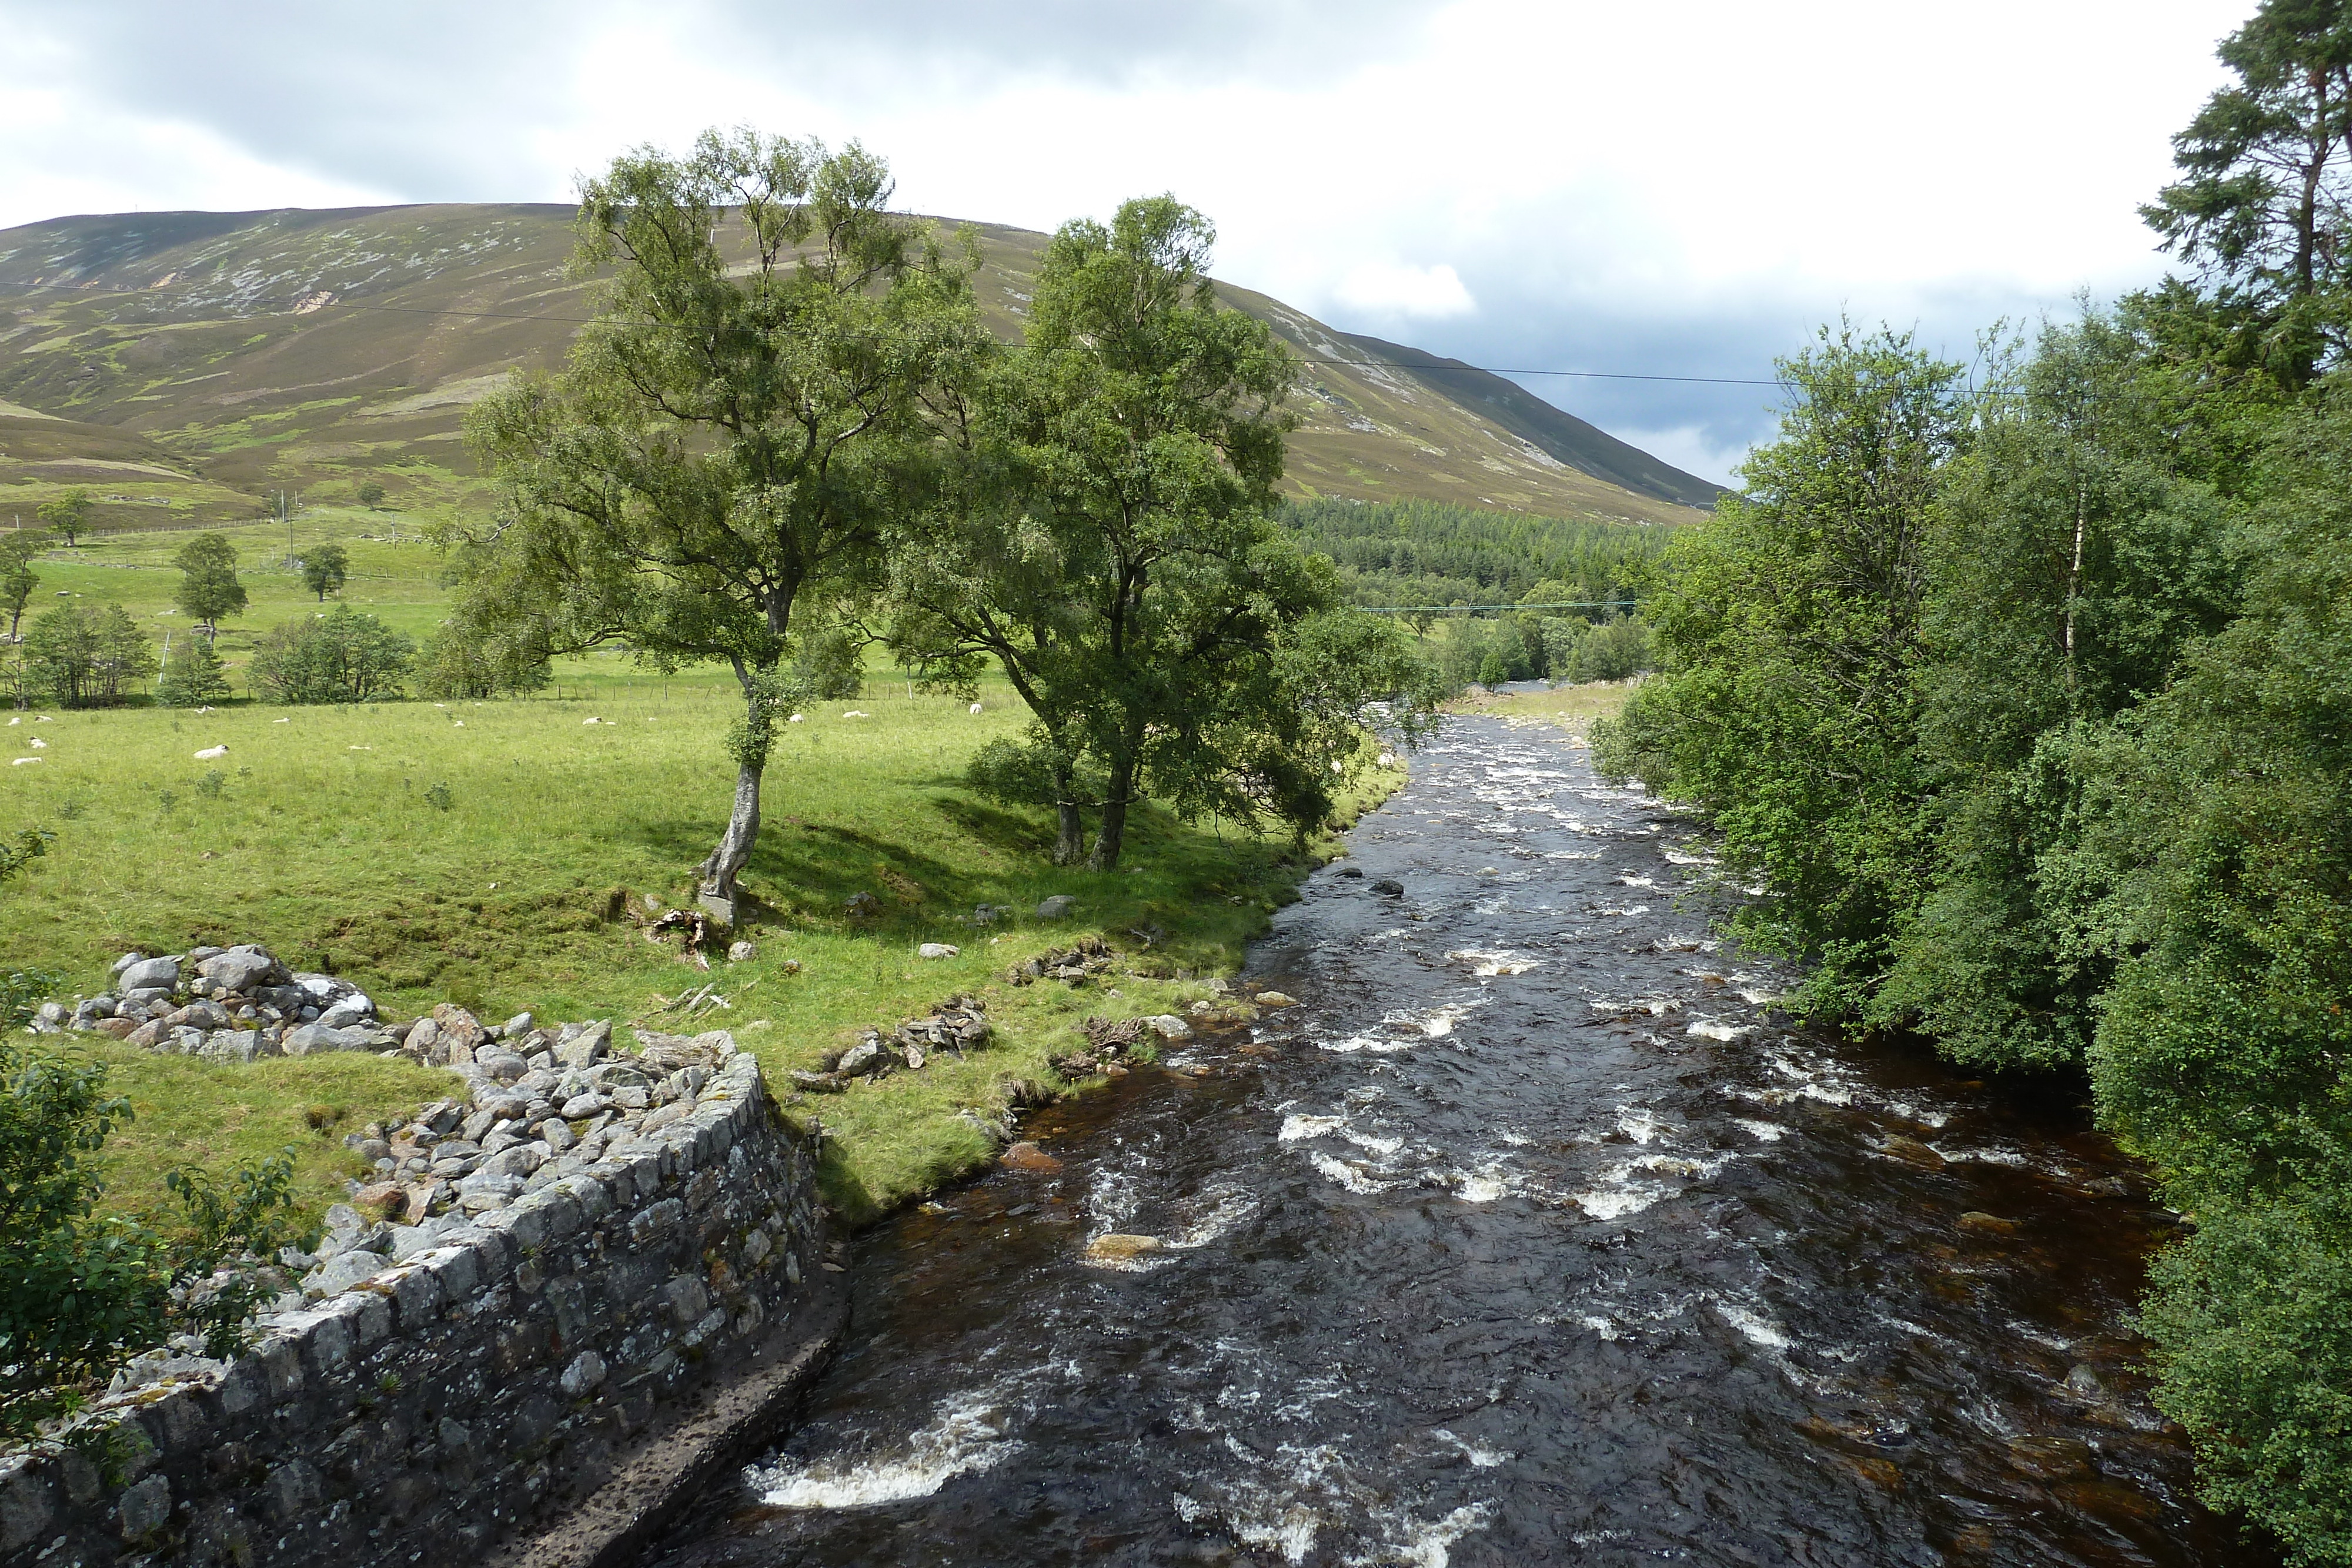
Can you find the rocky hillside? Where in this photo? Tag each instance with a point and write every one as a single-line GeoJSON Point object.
{"type": "Point", "coordinates": [181, 365]}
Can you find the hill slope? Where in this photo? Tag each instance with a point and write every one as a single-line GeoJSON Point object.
{"type": "Point", "coordinates": [192, 361]}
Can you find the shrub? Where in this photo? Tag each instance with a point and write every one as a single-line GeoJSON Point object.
{"type": "Point", "coordinates": [83, 1291]}
{"type": "Point", "coordinates": [341, 657]}
{"type": "Point", "coordinates": [459, 661]}
{"type": "Point", "coordinates": [85, 655]}
{"type": "Point", "coordinates": [193, 676]}
{"type": "Point", "coordinates": [832, 663]}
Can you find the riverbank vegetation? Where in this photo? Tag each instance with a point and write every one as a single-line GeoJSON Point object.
{"type": "Point", "coordinates": [2026, 693]}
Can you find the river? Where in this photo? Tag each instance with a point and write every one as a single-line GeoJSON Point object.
{"type": "Point", "coordinates": [1530, 1236]}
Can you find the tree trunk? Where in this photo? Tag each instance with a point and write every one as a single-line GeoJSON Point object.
{"type": "Point", "coordinates": [1109, 841]}
{"type": "Point", "coordinates": [734, 851]}
{"type": "Point", "coordinates": [1070, 834]}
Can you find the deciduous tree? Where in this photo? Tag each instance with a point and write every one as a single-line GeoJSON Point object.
{"type": "Point", "coordinates": [85, 655]}
{"type": "Point", "coordinates": [17, 578]}
{"type": "Point", "coordinates": [208, 586]}
{"type": "Point", "coordinates": [734, 429]}
{"type": "Point", "coordinates": [67, 514]}
{"type": "Point", "coordinates": [325, 569]}
{"type": "Point", "coordinates": [1112, 547]}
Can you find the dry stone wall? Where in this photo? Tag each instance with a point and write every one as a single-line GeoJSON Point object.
{"type": "Point", "coordinates": [472, 1393]}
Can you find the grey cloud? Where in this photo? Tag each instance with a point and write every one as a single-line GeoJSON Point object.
{"type": "Point", "coordinates": [428, 100]}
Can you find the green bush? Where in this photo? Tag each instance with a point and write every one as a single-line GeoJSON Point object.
{"type": "Point", "coordinates": [832, 663]}
{"type": "Point", "coordinates": [83, 1291]}
{"type": "Point", "coordinates": [342, 656]}
{"type": "Point", "coordinates": [461, 661]}
{"type": "Point", "coordinates": [193, 676]}
{"type": "Point", "coordinates": [86, 655]}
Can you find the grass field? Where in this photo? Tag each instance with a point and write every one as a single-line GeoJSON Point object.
{"type": "Point", "coordinates": [474, 851]}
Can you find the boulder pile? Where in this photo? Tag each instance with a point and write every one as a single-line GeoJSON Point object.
{"type": "Point", "coordinates": [1109, 1040]}
{"type": "Point", "coordinates": [226, 1003]}
{"type": "Point", "coordinates": [959, 1024]}
{"type": "Point", "coordinates": [1074, 964]}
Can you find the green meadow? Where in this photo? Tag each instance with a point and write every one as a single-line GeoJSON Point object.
{"type": "Point", "coordinates": [486, 854]}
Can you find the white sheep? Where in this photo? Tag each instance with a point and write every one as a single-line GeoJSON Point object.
{"type": "Point", "coordinates": [39, 745]}
{"type": "Point", "coordinates": [20, 761]}
{"type": "Point", "coordinates": [281, 721]}
{"type": "Point", "coordinates": [209, 752]}
{"type": "Point", "coordinates": [855, 713]}
{"type": "Point", "coordinates": [15, 721]}
{"type": "Point", "coordinates": [592, 719]}
{"type": "Point", "coordinates": [976, 708]}
{"type": "Point", "coordinates": [456, 724]}
{"type": "Point", "coordinates": [797, 718]}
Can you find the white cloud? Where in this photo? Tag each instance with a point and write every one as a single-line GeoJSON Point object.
{"type": "Point", "coordinates": [1668, 190]}
{"type": "Point", "coordinates": [1389, 288]}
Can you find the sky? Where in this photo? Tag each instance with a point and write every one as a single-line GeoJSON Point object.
{"type": "Point", "coordinates": [1664, 190]}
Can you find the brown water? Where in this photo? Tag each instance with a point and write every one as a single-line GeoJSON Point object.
{"type": "Point", "coordinates": [1529, 1237]}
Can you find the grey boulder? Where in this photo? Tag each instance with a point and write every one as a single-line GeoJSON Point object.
{"type": "Point", "coordinates": [1057, 907]}
{"type": "Point", "coordinates": [150, 973]}
{"type": "Point", "coordinates": [241, 969]}
{"type": "Point", "coordinates": [317, 1039]}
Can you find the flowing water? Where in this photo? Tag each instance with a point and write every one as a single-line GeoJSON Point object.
{"type": "Point", "coordinates": [1529, 1237]}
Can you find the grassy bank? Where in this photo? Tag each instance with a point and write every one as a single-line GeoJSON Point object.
{"type": "Point", "coordinates": [1571, 708]}
{"type": "Point", "coordinates": [474, 852]}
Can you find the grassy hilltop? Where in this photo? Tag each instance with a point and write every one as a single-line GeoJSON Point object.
{"type": "Point", "coordinates": [182, 365]}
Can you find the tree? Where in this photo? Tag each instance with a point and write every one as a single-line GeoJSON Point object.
{"type": "Point", "coordinates": [2069, 566]}
{"type": "Point", "coordinates": [325, 568]}
{"type": "Point", "coordinates": [2223, 1041]}
{"type": "Point", "coordinates": [464, 659]}
{"type": "Point", "coordinates": [728, 434]}
{"type": "Point", "coordinates": [208, 586]}
{"type": "Point", "coordinates": [370, 494]}
{"type": "Point", "coordinates": [17, 578]}
{"type": "Point", "coordinates": [193, 675]}
{"type": "Point", "coordinates": [1792, 620]}
{"type": "Point", "coordinates": [69, 513]}
{"type": "Point", "coordinates": [341, 657]}
{"type": "Point", "coordinates": [83, 656]}
{"type": "Point", "coordinates": [1111, 545]}
{"type": "Point", "coordinates": [2262, 203]}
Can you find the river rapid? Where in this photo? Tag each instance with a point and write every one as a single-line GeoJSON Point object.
{"type": "Point", "coordinates": [1530, 1236]}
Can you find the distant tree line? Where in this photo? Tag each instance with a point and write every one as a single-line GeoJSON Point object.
{"type": "Point", "coordinates": [91, 655]}
{"type": "Point", "coordinates": [1431, 552]}
{"type": "Point", "coordinates": [2029, 705]}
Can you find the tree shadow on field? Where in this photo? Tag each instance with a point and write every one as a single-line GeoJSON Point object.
{"type": "Point", "coordinates": [1005, 831]}
{"type": "Point", "coordinates": [808, 871]}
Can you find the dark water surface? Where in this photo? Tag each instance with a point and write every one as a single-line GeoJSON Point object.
{"type": "Point", "coordinates": [1527, 1237]}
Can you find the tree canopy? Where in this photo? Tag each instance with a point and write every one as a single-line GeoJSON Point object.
{"type": "Point", "coordinates": [735, 426]}
{"type": "Point", "coordinates": [67, 514]}
{"type": "Point", "coordinates": [208, 585]}
{"type": "Point", "coordinates": [1109, 541]}
{"type": "Point", "coordinates": [325, 569]}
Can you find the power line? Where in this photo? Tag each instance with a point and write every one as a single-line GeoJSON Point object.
{"type": "Point", "coordinates": [1475, 609]}
{"type": "Point", "coordinates": [1312, 359]}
